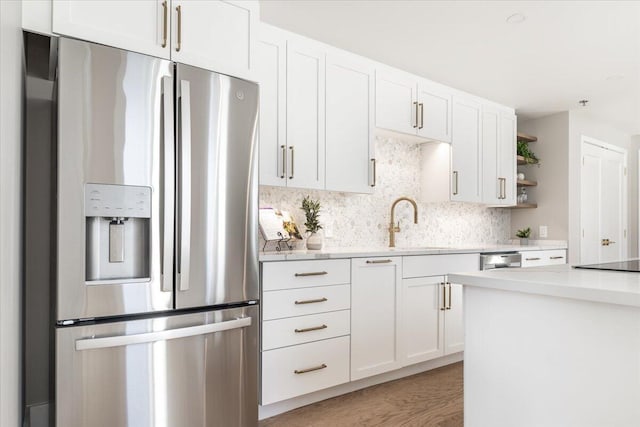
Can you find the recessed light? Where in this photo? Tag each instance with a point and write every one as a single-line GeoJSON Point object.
{"type": "Point", "coordinates": [516, 18]}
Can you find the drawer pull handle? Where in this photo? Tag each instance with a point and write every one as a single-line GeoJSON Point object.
{"type": "Point", "coordinates": [313, 273]}
{"type": "Point", "coordinates": [315, 368]}
{"type": "Point", "coordinates": [557, 257]}
{"type": "Point", "coordinates": [533, 259]}
{"type": "Point", "coordinates": [379, 261]}
{"type": "Point", "coordinates": [314, 328]}
{"type": "Point", "coordinates": [311, 301]}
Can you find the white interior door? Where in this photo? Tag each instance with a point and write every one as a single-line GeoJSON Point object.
{"type": "Point", "coordinates": [603, 203]}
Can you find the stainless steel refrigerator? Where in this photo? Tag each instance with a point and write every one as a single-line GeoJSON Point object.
{"type": "Point", "coordinates": [141, 269]}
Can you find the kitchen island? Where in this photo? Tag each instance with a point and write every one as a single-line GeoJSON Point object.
{"type": "Point", "coordinates": [551, 346]}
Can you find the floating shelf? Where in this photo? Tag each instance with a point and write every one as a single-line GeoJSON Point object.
{"type": "Point", "coordinates": [524, 206]}
{"type": "Point", "coordinates": [526, 183]}
{"type": "Point", "coordinates": [526, 138]}
{"type": "Point", "coordinates": [522, 161]}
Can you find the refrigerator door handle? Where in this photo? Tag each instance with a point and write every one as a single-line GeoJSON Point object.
{"type": "Point", "coordinates": [185, 186]}
{"type": "Point", "coordinates": [168, 193]}
{"type": "Point", "coordinates": [123, 340]}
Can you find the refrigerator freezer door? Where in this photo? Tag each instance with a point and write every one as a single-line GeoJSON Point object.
{"type": "Point", "coordinates": [216, 246]}
{"type": "Point", "coordinates": [115, 127]}
{"type": "Point", "coordinates": [185, 370]}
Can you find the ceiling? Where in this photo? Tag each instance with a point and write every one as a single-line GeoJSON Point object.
{"type": "Point", "coordinates": [563, 52]}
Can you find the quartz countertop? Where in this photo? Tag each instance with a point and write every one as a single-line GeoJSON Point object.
{"type": "Point", "coordinates": [354, 252]}
{"type": "Point", "coordinates": [612, 287]}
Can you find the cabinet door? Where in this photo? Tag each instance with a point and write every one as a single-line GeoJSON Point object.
{"type": "Point", "coordinates": [136, 25]}
{"type": "Point", "coordinates": [507, 158]}
{"type": "Point", "coordinates": [423, 308]}
{"type": "Point", "coordinates": [215, 35]}
{"type": "Point", "coordinates": [349, 124]}
{"type": "Point", "coordinates": [375, 303]}
{"type": "Point", "coordinates": [465, 151]}
{"type": "Point", "coordinates": [272, 71]}
{"type": "Point", "coordinates": [396, 102]}
{"type": "Point", "coordinates": [305, 115]}
{"type": "Point", "coordinates": [453, 320]}
{"type": "Point", "coordinates": [434, 112]}
{"type": "Point", "coordinates": [491, 183]}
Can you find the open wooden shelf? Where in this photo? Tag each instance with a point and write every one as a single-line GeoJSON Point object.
{"type": "Point", "coordinates": [526, 183]}
{"type": "Point", "coordinates": [526, 138]}
{"type": "Point", "coordinates": [522, 161]}
{"type": "Point", "coordinates": [524, 206]}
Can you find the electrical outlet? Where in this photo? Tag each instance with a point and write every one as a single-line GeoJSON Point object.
{"type": "Point", "coordinates": [543, 232]}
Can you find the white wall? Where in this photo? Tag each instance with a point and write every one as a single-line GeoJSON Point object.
{"type": "Point", "coordinates": [582, 124]}
{"type": "Point", "coordinates": [10, 209]}
{"type": "Point", "coordinates": [552, 175]}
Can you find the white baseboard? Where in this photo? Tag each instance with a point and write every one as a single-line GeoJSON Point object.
{"type": "Point", "coordinates": [268, 411]}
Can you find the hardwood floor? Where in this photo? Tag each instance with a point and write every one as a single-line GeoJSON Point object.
{"type": "Point", "coordinates": [430, 399]}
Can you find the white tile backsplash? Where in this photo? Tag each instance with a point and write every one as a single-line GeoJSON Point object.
{"type": "Point", "coordinates": [362, 220]}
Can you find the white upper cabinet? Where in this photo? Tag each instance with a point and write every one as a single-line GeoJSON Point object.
{"type": "Point", "coordinates": [407, 104]}
{"type": "Point", "coordinates": [396, 104]}
{"type": "Point", "coordinates": [137, 25]}
{"type": "Point", "coordinates": [271, 55]}
{"type": "Point", "coordinates": [465, 150]}
{"type": "Point", "coordinates": [213, 34]}
{"type": "Point", "coordinates": [305, 115]}
{"type": "Point", "coordinates": [349, 124]}
{"type": "Point", "coordinates": [498, 157]}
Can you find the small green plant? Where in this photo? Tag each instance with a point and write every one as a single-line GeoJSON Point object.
{"type": "Point", "coordinates": [524, 233]}
{"type": "Point", "coordinates": [311, 210]}
{"type": "Point", "coordinates": [524, 151]}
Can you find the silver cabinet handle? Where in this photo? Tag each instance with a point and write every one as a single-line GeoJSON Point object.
{"type": "Point", "coordinates": [292, 162]}
{"type": "Point", "coordinates": [379, 261]}
{"type": "Point", "coordinates": [444, 297]}
{"type": "Point", "coordinates": [164, 23]}
{"type": "Point", "coordinates": [313, 273]}
{"type": "Point", "coordinates": [122, 340]}
{"type": "Point", "coordinates": [311, 301]}
{"type": "Point", "coordinates": [421, 105]}
{"type": "Point", "coordinates": [415, 117]}
{"type": "Point", "coordinates": [284, 160]}
{"type": "Point", "coordinates": [455, 183]}
{"type": "Point", "coordinates": [556, 257]}
{"type": "Point", "coordinates": [168, 192]}
{"type": "Point", "coordinates": [504, 188]}
{"type": "Point", "coordinates": [314, 328]}
{"type": "Point", "coordinates": [532, 259]}
{"type": "Point", "coordinates": [448, 307]}
{"type": "Point", "coordinates": [185, 184]}
{"type": "Point", "coordinates": [179, 37]}
{"type": "Point", "coordinates": [373, 161]}
{"type": "Point", "coordinates": [304, 371]}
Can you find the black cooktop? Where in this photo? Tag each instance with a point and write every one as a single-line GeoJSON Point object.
{"type": "Point", "coordinates": [632, 265]}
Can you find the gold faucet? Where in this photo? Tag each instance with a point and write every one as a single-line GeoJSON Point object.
{"type": "Point", "coordinates": [393, 229]}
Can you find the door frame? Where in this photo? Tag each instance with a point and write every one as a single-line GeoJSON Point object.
{"type": "Point", "coordinates": [625, 199]}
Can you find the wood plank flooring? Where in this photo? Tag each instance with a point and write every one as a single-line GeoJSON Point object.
{"type": "Point", "coordinates": [429, 399]}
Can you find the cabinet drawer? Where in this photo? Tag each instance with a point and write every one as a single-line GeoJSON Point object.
{"type": "Point", "coordinates": [439, 265]}
{"type": "Point", "coordinates": [281, 304]}
{"type": "Point", "coordinates": [540, 258]}
{"type": "Point", "coordinates": [294, 371]}
{"type": "Point", "coordinates": [301, 274]}
{"type": "Point", "coordinates": [303, 329]}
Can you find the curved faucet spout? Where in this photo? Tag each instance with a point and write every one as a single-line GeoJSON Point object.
{"type": "Point", "coordinates": [393, 229]}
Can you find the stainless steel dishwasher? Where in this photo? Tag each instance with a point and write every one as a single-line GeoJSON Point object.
{"type": "Point", "coordinates": [495, 260]}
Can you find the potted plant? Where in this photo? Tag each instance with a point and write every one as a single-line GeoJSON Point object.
{"type": "Point", "coordinates": [311, 210]}
{"type": "Point", "coordinates": [529, 156]}
{"type": "Point", "coordinates": [524, 235]}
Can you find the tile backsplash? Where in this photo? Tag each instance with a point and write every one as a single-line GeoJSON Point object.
{"type": "Point", "coordinates": [362, 220]}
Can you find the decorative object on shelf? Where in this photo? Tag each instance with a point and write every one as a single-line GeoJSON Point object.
{"type": "Point", "coordinates": [311, 210]}
{"type": "Point", "coordinates": [521, 176]}
{"type": "Point", "coordinates": [277, 226]}
{"type": "Point", "coordinates": [522, 197]}
{"type": "Point", "coordinates": [524, 235]}
{"type": "Point", "coordinates": [528, 156]}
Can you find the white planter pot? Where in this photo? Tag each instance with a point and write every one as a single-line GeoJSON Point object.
{"type": "Point", "coordinates": [314, 241]}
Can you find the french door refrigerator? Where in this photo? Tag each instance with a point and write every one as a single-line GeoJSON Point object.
{"type": "Point", "coordinates": [140, 211]}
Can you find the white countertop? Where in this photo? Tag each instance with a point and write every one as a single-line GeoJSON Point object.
{"type": "Point", "coordinates": [386, 251]}
{"type": "Point", "coordinates": [563, 281]}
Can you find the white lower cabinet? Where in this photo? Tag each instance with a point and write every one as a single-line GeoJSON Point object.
{"type": "Point", "coordinates": [303, 329]}
{"type": "Point", "coordinates": [292, 371]}
{"type": "Point", "coordinates": [375, 309]}
{"type": "Point", "coordinates": [541, 258]}
{"type": "Point", "coordinates": [454, 320]}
